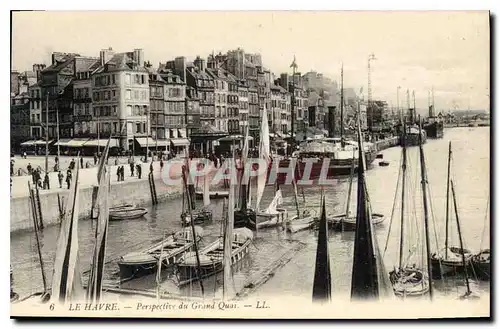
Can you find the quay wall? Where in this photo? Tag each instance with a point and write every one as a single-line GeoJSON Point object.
{"type": "Point", "coordinates": [131, 190]}
{"type": "Point", "coordinates": [387, 143]}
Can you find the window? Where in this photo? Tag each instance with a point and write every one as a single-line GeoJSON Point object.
{"type": "Point", "coordinates": [137, 127]}
{"type": "Point", "coordinates": [137, 78]}
{"type": "Point", "coordinates": [128, 94]}
{"type": "Point", "coordinates": [114, 109]}
{"type": "Point", "coordinates": [136, 94]}
{"type": "Point", "coordinates": [113, 78]}
{"type": "Point", "coordinates": [129, 110]}
{"type": "Point", "coordinates": [143, 79]}
{"type": "Point", "coordinates": [87, 109]}
{"type": "Point", "coordinates": [113, 92]}
{"type": "Point", "coordinates": [127, 79]}
{"type": "Point", "coordinates": [114, 123]}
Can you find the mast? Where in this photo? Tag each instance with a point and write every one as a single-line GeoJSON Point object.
{"type": "Point", "coordinates": [414, 102]}
{"type": "Point", "coordinates": [446, 240]}
{"type": "Point", "coordinates": [38, 247]}
{"type": "Point", "coordinates": [403, 183]}
{"type": "Point", "coordinates": [195, 243]}
{"type": "Point", "coordinates": [342, 106]}
{"type": "Point", "coordinates": [348, 206]}
{"type": "Point", "coordinates": [460, 238]}
{"type": "Point", "coordinates": [47, 137]}
{"type": "Point", "coordinates": [426, 210]}
{"type": "Point", "coordinates": [294, 67]}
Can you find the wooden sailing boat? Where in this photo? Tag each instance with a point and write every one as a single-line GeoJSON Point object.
{"type": "Point", "coordinates": [468, 293]}
{"type": "Point", "coordinates": [449, 261]}
{"type": "Point", "coordinates": [273, 215]}
{"type": "Point", "coordinates": [322, 284]}
{"type": "Point", "coordinates": [202, 215]}
{"type": "Point", "coordinates": [303, 220]}
{"type": "Point", "coordinates": [346, 222]}
{"type": "Point", "coordinates": [411, 280]}
{"type": "Point", "coordinates": [222, 253]}
{"type": "Point", "coordinates": [481, 260]}
{"type": "Point", "coordinates": [369, 276]}
{"type": "Point", "coordinates": [244, 216]}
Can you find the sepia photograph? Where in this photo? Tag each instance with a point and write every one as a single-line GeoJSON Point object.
{"type": "Point", "coordinates": [250, 164]}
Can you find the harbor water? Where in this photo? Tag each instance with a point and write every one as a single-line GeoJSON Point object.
{"type": "Point", "coordinates": [471, 176]}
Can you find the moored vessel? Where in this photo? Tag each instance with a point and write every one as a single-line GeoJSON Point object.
{"type": "Point", "coordinates": [171, 249]}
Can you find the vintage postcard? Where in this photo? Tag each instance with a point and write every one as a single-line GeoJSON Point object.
{"type": "Point", "coordinates": [269, 165]}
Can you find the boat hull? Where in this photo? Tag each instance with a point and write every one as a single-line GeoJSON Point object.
{"type": "Point", "coordinates": [188, 272]}
{"type": "Point", "coordinates": [452, 265]}
{"type": "Point", "coordinates": [134, 213]}
{"type": "Point", "coordinates": [349, 224]}
{"type": "Point", "coordinates": [245, 218]}
{"type": "Point", "coordinates": [434, 130]}
{"type": "Point", "coordinates": [213, 195]}
{"type": "Point", "coordinates": [265, 220]}
{"type": "Point", "coordinates": [409, 282]}
{"type": "Point", "coordinates": [296, 225]}
{"type": "Point", "coordinates": [200, 217]}
{"type": "Point", "coordinates": [480, 264]}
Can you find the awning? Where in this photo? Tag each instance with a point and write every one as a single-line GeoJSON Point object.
{"type": "Point", "coordinates": [41, 142]}
{"type": "Point", "coordinates": [77, 142]}
{"type": "Point", "coordinates": [180, 141]}
{"type": "Point", "coordinates": [63, 142]}
{"type": "Point", "coordinates": [28, 143]}
{"type": "Point", "coordinates": [161, 142]}
{"type": "Point", "coordinates": [102, 143]}
{"type": "Point", "coordinates": [144, 141]}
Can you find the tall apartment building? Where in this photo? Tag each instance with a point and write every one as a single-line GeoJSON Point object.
{"type": "Point", "coordinates": [198, 78]}
{"type": "Point", "coordinates": [243, 105]}
{"type": "Point", "coordinates": [221, 92]}
{"type": "Point", "coordinates": [85, 120]}
{"type": "Point", "coordinates": [120, 96]}
{"type": "Point", "coordinates": [157, 107]}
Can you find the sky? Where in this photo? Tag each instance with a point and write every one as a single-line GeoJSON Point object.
{"type": "Point", "coordinates": [447, 51]}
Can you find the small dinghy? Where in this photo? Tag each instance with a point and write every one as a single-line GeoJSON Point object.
{"type": "Point", "coordinates": [349, 224]}
{"type": "Point", "coordinates": [122, 207]}
{"type": "Point", "coordinates": [481, 264]}
{"type": "Point", "coordinates": [213, 194]}
{"type": "Point", "coordinates": [306, 221]}
{"type": "Point", "coordinates": [200, 217]}
{"type": "Point", "coordinates": [449, 263]}
{"type": "Point", "coordinates": [127, 213]}
{"type": "Point", "coordinates": [211, 257]}
{"type": "Point", "coordinates": [383, 163]}
{"type": "Point", "coordinates": [409, 281]}
{"type": "Point", "coordinates": [140, 263]}
{"type": "Point", "coordinates": [272, 216]}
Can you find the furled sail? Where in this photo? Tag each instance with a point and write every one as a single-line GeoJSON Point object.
{"type": "Point", "coordinates": [66, 280]}
{"type": "Point", "coordinates": [322, 285]}
{"type": "Point", "coordinates": [369, 276]}
{"type": "Point", "coordinates": [264, 154]}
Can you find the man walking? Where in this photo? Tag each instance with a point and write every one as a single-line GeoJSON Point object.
{"type": "Point", "coordinates": [60, 177]}
{"type": "Point", "coordinates": [139, 170]}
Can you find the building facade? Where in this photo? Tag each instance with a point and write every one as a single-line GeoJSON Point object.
{"type": "Point", "coordinates": [243, 105]}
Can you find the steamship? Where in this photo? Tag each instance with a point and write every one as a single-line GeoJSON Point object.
{"type": "Point", "coordinates": [342, 158]}
{"type": "Point", "coordinates": [434, 125]}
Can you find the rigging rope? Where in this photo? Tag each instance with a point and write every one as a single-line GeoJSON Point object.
{"type": "Point", "coordinates": [393, 205]}
{"type": "Point", "coordinates": [485, 221]}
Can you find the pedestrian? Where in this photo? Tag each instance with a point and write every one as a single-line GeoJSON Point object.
{"type": "Point", "coordinates": [81, 162]}
{"type": "Point", "coordinates": [68, 178]}
{"type": "Point", "coordinates": [60, 177]}
{"type": "Point", "coordinates": [131, 169]}
{"type": "Point", "coordinates": [72, 164]}
{"type": "Point", "coordinates": [19, 172]}
{"type": "Point", "coordinates": [12, 167]}
{"type": "Point", "coordinates": [29, 168]}
{"type": "Point", "coordinates": [122, 172]}
{"type": "Point", "coordinates": [161, 164]}
{"type": "Point", "coordinates": [139, 170]}
{"type": "Point", "coordinates": [116, 161]}
{"type": "Point", "coordinates": [87, 164]}
{"type": "Point", "coordinates": [24, 154]}
{"type": "Point", "coordinates": [95, 159]}
{"type": "Point", "coordinates": [118, 173]}
{"type": "Point", "coordinates": [46, 182]}
{"type": "Point", "coordinates": [56, 159]}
